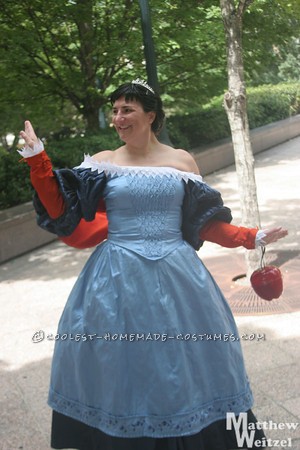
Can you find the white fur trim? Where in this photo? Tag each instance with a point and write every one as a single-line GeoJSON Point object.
{"type": "Point", "coordinates": [259, 238]}
{"type": "Point", "coordinates": [28, 152]}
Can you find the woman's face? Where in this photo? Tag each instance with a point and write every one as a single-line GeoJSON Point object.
{"type": "Point", "coordinates": [130, 120]}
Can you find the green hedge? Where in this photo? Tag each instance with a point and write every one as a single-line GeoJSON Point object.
{"type": "Point", "coordinates": [15, 187]}
{"type": "Point", "coordinates": [266, 104]}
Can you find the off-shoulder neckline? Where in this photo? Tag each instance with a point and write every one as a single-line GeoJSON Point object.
{"type": "Point", "coordinates": [111, 168]}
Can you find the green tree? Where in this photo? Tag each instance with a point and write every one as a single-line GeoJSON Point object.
{"type": "Point", "coordinates": [71, 50]}
{"type": "Point", "coordinates": [60, 59]}
{"type": "Point", "coordinates": [289, 69]}
{"type": "Point", "coordinates": [189, 42]}
{"type": "Point", "coordinates": [270, 29]}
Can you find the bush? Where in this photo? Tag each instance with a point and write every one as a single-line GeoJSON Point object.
{"type": "Point", "coordinates": [199, 128]}
{"type": "Point", "coordinates": [15, 187]}
{"type": "Point", "coordinates": [266, 104]}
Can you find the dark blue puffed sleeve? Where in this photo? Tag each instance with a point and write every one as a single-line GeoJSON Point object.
{"type": "Point", "coordinates": [200, 204]}
{"type": "Point", "coordinates": [82, 190]}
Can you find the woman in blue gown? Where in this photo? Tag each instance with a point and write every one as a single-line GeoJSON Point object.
{"type": "Point", "coordinates": [148, 355]}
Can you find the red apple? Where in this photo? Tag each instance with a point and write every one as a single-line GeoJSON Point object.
{"type": "Point", "coordinates": [267, 282]}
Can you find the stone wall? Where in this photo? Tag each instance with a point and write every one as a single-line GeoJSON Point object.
{"type": "Point", "coordinates": [19, 232]}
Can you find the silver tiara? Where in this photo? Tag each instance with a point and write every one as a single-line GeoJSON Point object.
{"type": "Point", "coordinates": [143, 83]}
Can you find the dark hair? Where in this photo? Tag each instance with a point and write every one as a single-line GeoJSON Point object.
{"type": "Point", "coordinates": [149, 100]}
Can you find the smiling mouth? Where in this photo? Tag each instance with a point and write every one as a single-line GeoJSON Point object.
{"type": "Point", "coordinates": [124, 128]}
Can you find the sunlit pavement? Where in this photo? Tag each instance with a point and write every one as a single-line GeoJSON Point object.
{"type": "Point", "coordinates": [35, 286]}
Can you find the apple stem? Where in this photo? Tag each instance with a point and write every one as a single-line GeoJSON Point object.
{"type": "Point", "coordinates": [262, 262]}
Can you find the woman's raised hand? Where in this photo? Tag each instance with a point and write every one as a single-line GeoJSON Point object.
{"type": "Point", "coordinates": [29, 135]}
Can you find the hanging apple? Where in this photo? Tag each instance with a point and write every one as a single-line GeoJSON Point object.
{"type": "Point", "coordinates": [267, 282]}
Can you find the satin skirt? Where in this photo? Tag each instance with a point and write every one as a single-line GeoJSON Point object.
{"type": "Point", "coordinates": [172, 386]}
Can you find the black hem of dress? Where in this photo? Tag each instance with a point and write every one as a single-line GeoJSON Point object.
{"type": "Point", "coordinates": [72, 434]}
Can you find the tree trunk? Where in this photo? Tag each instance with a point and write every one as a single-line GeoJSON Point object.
{"type": "Point", "coordinates": [235, 103]}
{"type": "Point", "coordinates": [91, 116]}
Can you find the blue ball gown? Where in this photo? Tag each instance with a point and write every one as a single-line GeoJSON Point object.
{"type": "Point", "coordinates": [147, 345]}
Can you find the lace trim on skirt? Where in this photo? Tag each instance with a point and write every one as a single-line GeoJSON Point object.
{"type": "Point", "coordinates": [152, 426]}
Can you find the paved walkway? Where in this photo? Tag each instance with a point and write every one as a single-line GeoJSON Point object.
{"type": "Point", "coordinates": [35, 286]}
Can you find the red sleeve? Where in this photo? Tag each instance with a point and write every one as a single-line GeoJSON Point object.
{"type": "Point", "coordinates": [88, 234]}
{"type": "Point", "coordinates": [44, 182]}
{"type": "Point", "coordinates": [228, 235]}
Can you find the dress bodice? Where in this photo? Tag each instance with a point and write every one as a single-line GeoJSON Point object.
{"type": "Point", "coordinates": [144, 213]}
{"type": "Point", "coordinates": [151, 210]}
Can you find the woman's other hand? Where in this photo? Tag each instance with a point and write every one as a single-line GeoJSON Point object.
{"type": "Point", "coordinates": [273, 235]}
